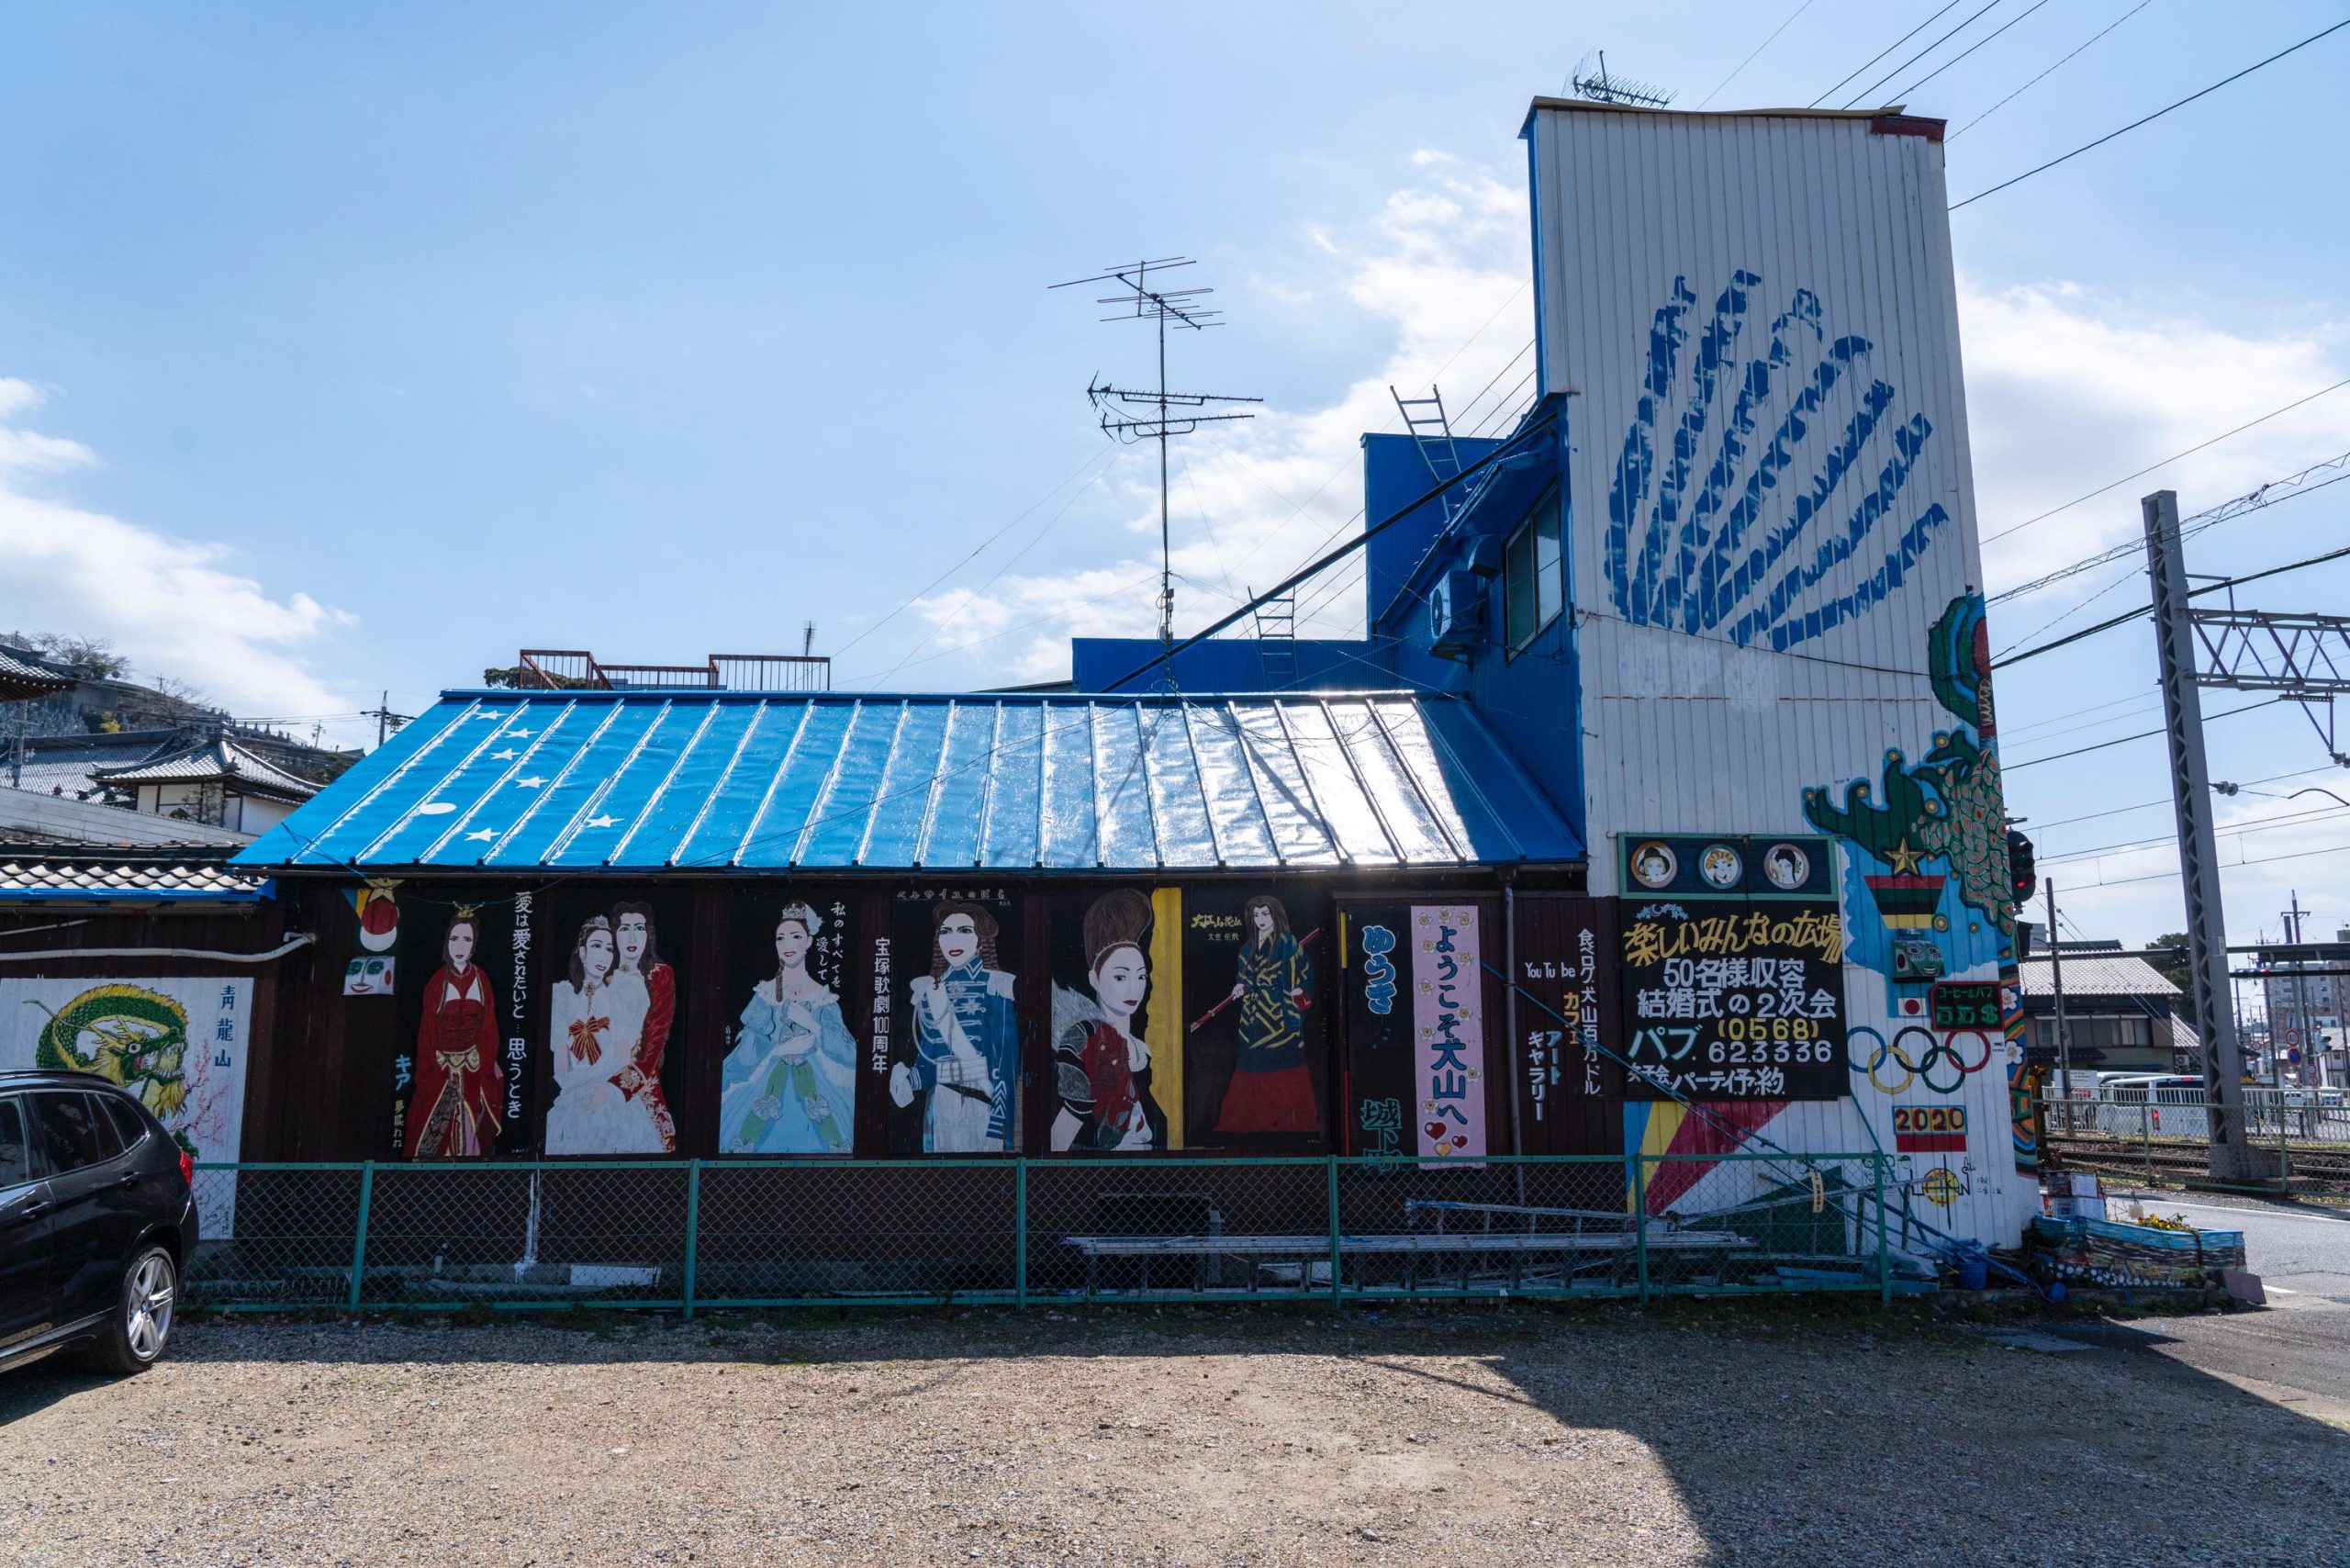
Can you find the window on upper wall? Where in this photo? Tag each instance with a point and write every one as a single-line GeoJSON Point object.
{"type": "Point", "coordinates": [1534, 583]}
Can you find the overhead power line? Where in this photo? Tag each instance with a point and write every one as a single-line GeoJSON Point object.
{"type": "Point", "coordinates": [1759, 48]}
{"type": "Point", "coordinates": [2300, 483]}
{"type": "Point", "coordinates": [1903, 95]}
{"type": "Point", "coordinates": [2011, 97]}
{"type": "Point", "coordinates": [2149, 119]}
{"type": "Point", "coordinates": [2124, 620]}
{"type": "Point", "coordinates": [1880, 55]}
{"type": "Point", "coordinates": [2125, 740]}
{"type": "Point", "coordinates": [2174, 457]}
{"type": "Point", "coordinates": [1972, 18]}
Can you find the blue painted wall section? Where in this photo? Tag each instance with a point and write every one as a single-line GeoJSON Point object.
{"type": "Point", "coordinates": [1740, 552]}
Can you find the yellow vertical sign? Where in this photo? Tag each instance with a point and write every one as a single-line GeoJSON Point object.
{"type": "Point", "coordinates": [1165, 1035]}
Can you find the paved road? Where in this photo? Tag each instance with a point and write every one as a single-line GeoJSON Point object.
{"type": "Point", "coordinates": [2297, 1355]}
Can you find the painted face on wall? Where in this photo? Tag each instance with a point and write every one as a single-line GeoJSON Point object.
{"type": "Point", "coordinates": [460, 947]}
{"type": "Point", "coordinates": [596, 956]}
{"type": "Point", "coordinates": [791, 943]}
{"type": "Point", "coordinates": [633, 940]}
{"type": "Point", "coordinates": [1263, 920]}
{"type": "Point", "coordinates": [958, 940]}
{"type": "Point", "coordinates": [1119, 982]}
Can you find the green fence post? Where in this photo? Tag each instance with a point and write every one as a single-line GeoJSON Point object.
{"type": "Point", "coordinates": [359, 1240]}
{"type": "Point", "coordinates": [1019, 1233]}
{"type": "Point", "coordinates": [1337, 1291]}
{"type": "Point", "coordinates": [1640, 1219]}
{"type": "Point", "coordinates": [693, 1228]}
{"type": "Point", "coordinates": [1884, 1255]}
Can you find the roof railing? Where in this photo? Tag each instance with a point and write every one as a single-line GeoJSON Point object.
{"type": "Point", "coordinates": [577, 669]}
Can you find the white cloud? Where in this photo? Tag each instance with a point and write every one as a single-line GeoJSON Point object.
{"type": "Point", "coordinates": [1441, 264]}
{"type": "Point", "coordinates": [173, 607]}
{"type": "Point", "coordinates": [2067, 391]}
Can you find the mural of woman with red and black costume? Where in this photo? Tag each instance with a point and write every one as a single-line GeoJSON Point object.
{"type": "Point", "coordinates": [1100, 1063]}
{"type": "Point", "coordinates": [459, 1085]}
{"type": "Point", "coordinates": [1272, 1086]}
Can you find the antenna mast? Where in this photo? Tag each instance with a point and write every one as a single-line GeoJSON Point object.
{"type": "Point", "coordinates": [1601, 88]}
{"type": "Point", "coordinates": [1133, 414]}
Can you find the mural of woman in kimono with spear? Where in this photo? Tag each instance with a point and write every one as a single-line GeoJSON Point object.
{"type": "Point", "coordinates": [966, 1037]}
{"type": "Point", "coordinates": [790, 1084]}
{"type": "Point", "coordinates": [457, 1076]}
{"type": "Point", "coordinates": [1101, 1064]}
{"type": "Point", "coordinates": [1272, 1088]}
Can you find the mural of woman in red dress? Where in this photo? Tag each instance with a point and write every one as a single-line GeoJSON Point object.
{"type": "Point", "coordinates": [1272, 1087]}
{"type": "Point", "coordinates": [638, 975]}
{"type": "Point", "coordinates": [458, 1081]}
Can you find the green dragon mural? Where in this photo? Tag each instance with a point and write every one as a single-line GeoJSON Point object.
{"type": "Point", "coordinates": [138, 1039]}
{"type": "Point", "coordinates": [1949, 806]}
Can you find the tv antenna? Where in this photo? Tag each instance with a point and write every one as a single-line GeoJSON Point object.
{"type": "Point", "coordinates": [1600, 87]}
{"type": "Point", "coordinates": [1137, 414]}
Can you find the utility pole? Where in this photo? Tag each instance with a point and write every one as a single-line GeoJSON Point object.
{"type": "Point", "coordinates": [2199, 853]}
{"type": "Point", "coordinates": [386, 720]}
{"type": "Point", "coordinates": [2056, 990]}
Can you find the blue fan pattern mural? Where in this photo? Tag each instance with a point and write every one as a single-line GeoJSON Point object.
{"type": "Point", "coordinates": [1715, 529]}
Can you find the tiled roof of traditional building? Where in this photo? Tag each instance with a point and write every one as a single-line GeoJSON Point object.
{"type": "Point", "coordinates": [42, 872]}
{"type": "Point", "coordinates": [217, 760]}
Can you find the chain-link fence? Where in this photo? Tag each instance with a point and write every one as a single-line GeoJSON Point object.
{"type": "Point", "coordinates": [694, 1234]}
{"type": "Point", "coordinates": [2164, 1138]}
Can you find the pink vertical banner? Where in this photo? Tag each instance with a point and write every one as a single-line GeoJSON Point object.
{"type": "Point", "coordinates": [1448, 1030]}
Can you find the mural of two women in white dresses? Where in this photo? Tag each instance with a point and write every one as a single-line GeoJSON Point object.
{"type": "Point", "coordinates": [789, 1082]}
{"type": "Point", "coordinates": [608, 1019]}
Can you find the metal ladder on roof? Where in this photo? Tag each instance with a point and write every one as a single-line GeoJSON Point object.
{"type": "Point", "coordinates": [1433, 435]}
{"type": "Point", "coordinates": [1277, 638]}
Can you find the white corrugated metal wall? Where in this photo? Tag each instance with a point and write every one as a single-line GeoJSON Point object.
{"type": "Point", "coordinates": [1833, 229]}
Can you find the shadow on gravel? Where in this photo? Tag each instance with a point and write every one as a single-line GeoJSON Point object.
{"type": "Point", "coordinates": [1790, 1435]}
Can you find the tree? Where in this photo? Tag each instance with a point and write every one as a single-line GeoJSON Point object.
{"type": "Point", "coordinates": [94, 658]}
{"type": "Point", "coordinates": [2178, 969]}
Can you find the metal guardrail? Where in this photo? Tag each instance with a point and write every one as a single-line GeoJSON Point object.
{"type": "Point", "coordinates": [2165, 1138]}
{"type": "Point", "coordinates": [689, 1235]}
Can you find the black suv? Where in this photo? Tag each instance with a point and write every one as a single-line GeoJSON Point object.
{"type": "Point", "coordinates": [96, 1220]}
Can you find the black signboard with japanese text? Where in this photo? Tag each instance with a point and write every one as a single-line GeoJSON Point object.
{"type": "Point", "coordinates": [1732, 976]}
{"type": "Point", "coordinates": [1570, 1046]}
{"type": "Point", "coordinates": [948, 1043]}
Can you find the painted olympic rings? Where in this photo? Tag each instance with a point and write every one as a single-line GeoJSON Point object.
{"type": "Point", "coordinates": [1938, 1055]}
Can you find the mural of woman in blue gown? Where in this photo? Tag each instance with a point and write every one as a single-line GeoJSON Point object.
{"type": "Point", "coordinates": [790, 1084]}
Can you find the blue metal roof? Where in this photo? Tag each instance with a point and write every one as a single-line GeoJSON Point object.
{"type": "Point", "coordinates": [702, 780]}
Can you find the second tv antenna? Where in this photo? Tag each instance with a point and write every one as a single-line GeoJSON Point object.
{"type": "Point", "coordinates": [1602, 88]}
{"type": "Point", "coordinates": [1133, 414]}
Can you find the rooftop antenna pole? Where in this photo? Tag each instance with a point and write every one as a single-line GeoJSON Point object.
{"type": "Point", "coordinates": [1598, 86]}
{"type": "Point", "coordinates": [1155, 414]}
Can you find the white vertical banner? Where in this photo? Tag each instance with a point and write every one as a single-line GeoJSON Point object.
{"type": "Point", "coordinates": [178, 1042]}
{"type": "Point", "coordinates": [1448, 1030]}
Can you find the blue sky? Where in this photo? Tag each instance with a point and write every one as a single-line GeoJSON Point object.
{"type": "Point", "coordinates": [348, 349]}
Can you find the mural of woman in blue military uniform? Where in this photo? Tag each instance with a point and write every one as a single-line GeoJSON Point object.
{"type": "Point", "coordinates": [965, 1033]}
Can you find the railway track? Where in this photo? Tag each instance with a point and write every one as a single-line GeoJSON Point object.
{"type": "Point", "coordinates": [2317, 1168]}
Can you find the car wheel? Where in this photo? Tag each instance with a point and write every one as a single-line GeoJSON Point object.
{"type": "Point", "coordinates": [132, 1339]}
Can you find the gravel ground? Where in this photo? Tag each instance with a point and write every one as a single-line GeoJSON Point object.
{"type": "Point", "coordinates": [1692, 1435]}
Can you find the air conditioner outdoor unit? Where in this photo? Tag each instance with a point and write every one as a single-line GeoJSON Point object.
{"type": "Point", "coordinates": [1457, 615]}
